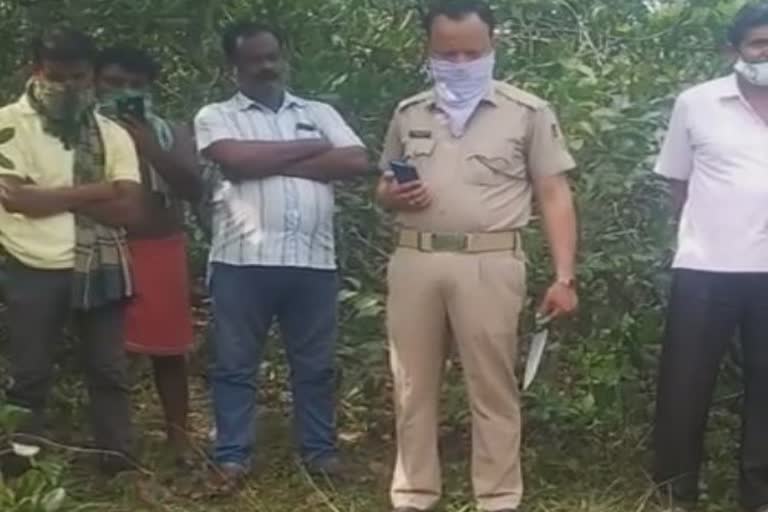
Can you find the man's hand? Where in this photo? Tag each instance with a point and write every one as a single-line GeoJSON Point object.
{"type": "Point", "coordinates": [125, 208]}
{"type": "Point", "coordinates": [7, 185]}
{"type": "Point", "coordinates": [143, 136]}
{"type": "Point", "coordinates": [335, 164]}
{"type": "Point", "coordinates": [14, 197]}
{"type": "Point", "coordinates": [560, 300]}
{"type": "Point", "coordinates": [256, 159]}
{"type": "Point", "coordinates": [23, 197]}
{"type": "Point", "coordinates": [408, 197]}
{"type": "Point", "coordinates": [556, 203]}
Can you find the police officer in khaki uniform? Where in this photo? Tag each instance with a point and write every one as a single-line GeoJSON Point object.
{"type": "Point", "coordinates": [482, 150]}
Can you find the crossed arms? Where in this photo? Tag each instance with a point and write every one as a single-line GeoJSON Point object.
{"type": "Point", "coordinates": [116, 203]}
{"type": "Point", "coordinates": [312, 159]}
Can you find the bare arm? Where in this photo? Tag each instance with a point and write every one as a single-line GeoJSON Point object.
{"type": "Point", "coordinates": [23, 197]}
{"type": "Point", "coordinates": [177, 166]}
{"type": "Point", "coordinates": [382, 193]}
{"type": "Point", "coordinates": [123, 210]}
{"type": "Point", "coordinates": [249, 160]}
{"type": "Point", "coordinates": [556, 203]}
{"type": "Point", "coordinates": [336, 164]}
{"type": "Point", "coordinates": [679, 190]}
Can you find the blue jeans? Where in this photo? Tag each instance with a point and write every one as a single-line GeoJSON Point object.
{"type": "Point", "coordinates": [246, 299]}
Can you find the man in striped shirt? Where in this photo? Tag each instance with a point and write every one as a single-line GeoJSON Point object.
{"type": "Point", "coordinates": [272, 253]}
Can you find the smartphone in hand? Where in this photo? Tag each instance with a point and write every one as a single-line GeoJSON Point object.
{"type": "Point", "coordinates": [404, 172]}
{"type": "Point", "coordinates": [131, 107]}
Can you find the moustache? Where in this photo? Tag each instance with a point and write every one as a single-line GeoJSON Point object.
{"type": "Point", "coordinates": [267, 76]}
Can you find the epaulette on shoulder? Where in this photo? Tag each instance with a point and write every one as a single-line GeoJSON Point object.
{"type": "Point", "coordinates": [414, 100]}
{"type": "Point", "coordinates": [512, 93]}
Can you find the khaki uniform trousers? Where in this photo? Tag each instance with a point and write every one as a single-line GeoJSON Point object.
{"type": "Point", "coordinates": [476, 300]}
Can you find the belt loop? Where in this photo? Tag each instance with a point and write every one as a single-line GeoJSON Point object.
{"type": "Point", "coordinates": [428, 240]}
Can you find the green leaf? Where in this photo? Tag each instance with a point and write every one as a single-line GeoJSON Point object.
{"type": "Point", "coordinates": [11, 417]}
{"type": "Point", "coordinates": [6, 134]}
{"type": "Point", "coordinates": [576, 144]}
{"type": "Point", "coordinates": [54, 500]}
{"type": "Point", "coordinates": [6, 163]}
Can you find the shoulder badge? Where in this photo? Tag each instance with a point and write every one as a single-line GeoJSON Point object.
{"type": "Point", "coordinates": [512, 93]}
{"type": "Point", "coordinates": [414, 100]}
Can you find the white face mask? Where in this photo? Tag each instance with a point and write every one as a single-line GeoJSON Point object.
{"type": "Point", "coordinates": [755, 73]}
{"type": "Point", "coordinates": [460, 87]}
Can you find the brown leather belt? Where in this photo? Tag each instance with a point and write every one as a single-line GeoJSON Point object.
{"type": "Point", "coordinates": [425, 241]}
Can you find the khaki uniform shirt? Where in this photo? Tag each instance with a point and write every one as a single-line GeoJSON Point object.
{"type": "Point", "coordinates": [480, 182]}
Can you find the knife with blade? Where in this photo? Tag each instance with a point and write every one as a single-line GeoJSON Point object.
{"type": "Point", "coordinates": [536, 351]}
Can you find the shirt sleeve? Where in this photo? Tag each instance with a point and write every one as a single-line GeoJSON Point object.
{"type": "Point", "coordinates": [13, 160]}
{"type": "Point", "coordinates": [675, 160]}
{"type": "Point", "coordinates": [393, 144]}
{"type": "Point", "coordinates": [210, 127]}
{"type": "Point", "coordinates": [548, 153]}
{"type": "Point", "coordinates": [123, 162]}
{"type": "Point", "coordinates": [335, 128]}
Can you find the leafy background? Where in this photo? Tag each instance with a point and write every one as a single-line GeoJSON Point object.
{"type": "Point", "coordinates": [611, 69]}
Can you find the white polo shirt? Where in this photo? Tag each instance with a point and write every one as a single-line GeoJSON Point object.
{"type": "Point", "coordinates": [719, 144]}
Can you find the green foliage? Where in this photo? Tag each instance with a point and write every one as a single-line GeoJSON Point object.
{"type": "Point", "coordinates": [609, 67]}
{"type": "Point", "coordinates": [11, 418]}
{"type": "Point", "coordinates": [38, 489]}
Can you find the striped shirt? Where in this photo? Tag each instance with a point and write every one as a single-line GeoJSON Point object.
{"type": "Point", "coordinates": [276, 221]}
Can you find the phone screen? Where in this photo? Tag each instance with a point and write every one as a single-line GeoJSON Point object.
{"type": "Point", "coordinates": [404, 172]}
{"type": "Point", "coordinates": [131, 107]}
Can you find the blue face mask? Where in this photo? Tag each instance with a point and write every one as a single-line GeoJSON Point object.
{"type": "Point", "coordinates": [460, 87]}
{"type": "Point", "coordinates": [755, 73]}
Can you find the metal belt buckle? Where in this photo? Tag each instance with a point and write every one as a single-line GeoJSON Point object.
{"type": "Point", "coordinates": [448, 242]}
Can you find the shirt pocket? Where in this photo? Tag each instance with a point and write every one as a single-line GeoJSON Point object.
{"type": "Point", "coordinates": [306, 129]}
{"type": "Point", "coordinates": [417, 150]}
{"type": "Point", "coordinates": [495, 162]}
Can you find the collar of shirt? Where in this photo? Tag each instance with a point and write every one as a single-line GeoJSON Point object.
{"type": "Point", "coordinates": [243, 102]}
{"type": "Point", "coordinates": [730, 91]}
{"type": "Point", "coordinates": [729, 88]}
{"type": "Point", "coordinates": [491, 98]}
{"type": "Point", "coordinates": [25, 107]}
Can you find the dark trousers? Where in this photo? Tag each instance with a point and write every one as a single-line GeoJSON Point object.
{"type": "Point", "coordinates": [705, 311]}
{"type": "Point", "coordinates": [38, 303]}
{"type": "Point", "coordinates": [246, 299]}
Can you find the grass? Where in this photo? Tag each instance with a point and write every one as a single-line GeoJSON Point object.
{"type": "Point", "coordinates": [566, 470]}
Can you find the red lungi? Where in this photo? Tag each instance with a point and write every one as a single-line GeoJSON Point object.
{"type": "Point", "coordinates": [159, 318]}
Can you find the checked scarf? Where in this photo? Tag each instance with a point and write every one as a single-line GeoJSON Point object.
{"type": "Point", "coordinates": [102, 268]}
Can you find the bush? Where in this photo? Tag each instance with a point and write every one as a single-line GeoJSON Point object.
{"type": "Point", "coordinates": [610, 68]}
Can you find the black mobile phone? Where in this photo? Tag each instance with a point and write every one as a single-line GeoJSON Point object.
{"type": "Point", "coordinates": [404, 172]}
{"type": "Point", "coordinates": [131, 107]}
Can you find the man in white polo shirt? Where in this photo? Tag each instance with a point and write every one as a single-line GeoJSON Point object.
{"type": "Point", "coordinates": [272, 254]}
{"type": "Point", "coordinates": [716, 158]}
